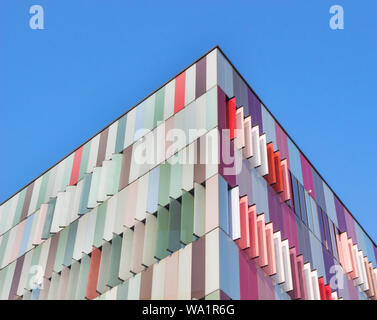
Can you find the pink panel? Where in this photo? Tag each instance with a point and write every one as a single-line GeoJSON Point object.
{"type": "Point", "coordinates": [248, 150]}
{"type": "Point", "coordinates": [244, 241]}
{"type": "Point", "coordinates": [307, 176]}
{"type": "Point", "coordinates": [171, 277]}
{"type": "Point", "coordinates": [354, 273]}
{"type": "Point", "coordinates": [240, 134]}
{"type": "Point", "coordinates": [17, 241]}
{"type": "Point", "coordinates": [253, 251]}
{"type": "Point", "coordinates": [347, 266]}
{"type": "Point", "coordinates": [301, 276]}
{"type": "Point", "coordinates": [286, 194]}
{"type": "Point", "coordinates": [262, 244]}
{"type": "Point", "coordinates": [296, 292]}
{"type": "Point", "coordinates": [271, 267]}
{"type": "Point", "coordinates": [129, 220]}
{"type": "Point", "coordinates": [248, 278]}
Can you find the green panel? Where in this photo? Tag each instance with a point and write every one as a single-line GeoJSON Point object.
{"type": "Point", "coordinates": [20, 204]}
{"type": "Point", "coordinates": [187, 219]}
{"type": "Point", "coordinates": [85, 194]}
{"type": "Point", "coordinates": [3, 245]}
{"type": "Point", "coordinates": [159, 107]}
{"type": "Point", "coordinates": [121, 132]}
{"type": "Point", "coordinates": [84, 160]}
{"type": "Point", "coordinates": [213, 296]}
{"type": "Point", "coordinates": [70, 243]}
{"type": "Point", "coordinates": [116, 247]}
{"type": "Point", "coordinates": [42, 190]}
{"type": "Point", "coordinates": [100, 225]}
{"type": "Point", "coordinates": [149, 112]}
{"type": "Point", "coordinates": [176, 177]}
{"type": "Point", "coordinates": [163, 186]}
{"type": "Point", "coordinates": [67, 171]}
{"type": "Point", "coordinates": [211, 108]}
{"type": "Point", "coordinates": [59, 259]}
{"type": "Point", "coordinates": [162, 232]}
{"type": "Point", "coordinates": [114, 178]}
{"type": "Point", "coordinates": [34, 262]}
{"type": "Point", "coordinates": [122, 293]}
{"type": "Point", "coordinates": [174, 225]}
{"type": "Point", "coordinates": [83, 277]}
{"type": "Point", "coordinates": [48, 221]}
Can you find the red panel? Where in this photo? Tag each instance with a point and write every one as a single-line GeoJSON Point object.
{"type": "Point", "coordinates": [91, 287]}
{"type": "Point", "coordinates": [244, 242]}
{"type": "Point", "coordinates": [231, 116]}
{"type": "Point", "coordinates": [328, 292]}
{"type": "Point", "coordinates": [278, 186]}
{"type": "Point", "coordinates": [271, 177]}
{"type": "Point", "coordinates": [322, 290]}
{"type": "Point", "coordinates": [253, 251]}
{"type": "Point", "coordinates": [262, 242]}
{"type": "Point", "coordinates": [76, 166]}
{"type": "Point", "coordinates": [179, 97]}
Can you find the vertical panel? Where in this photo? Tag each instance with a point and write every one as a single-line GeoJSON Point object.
{"type": "Point", "coordinates": [199, 209]}
{"type": "Point", "coordinates": [91, 289]}
{"type": "Point", "coordinates": [198, 269]}
{"type": "Point", "coordinates": [190, 84]}
{"type": "Point", "coordinates": [137, 248]}
{"type": "Point", "coordinates": [171, 277]}
{"type": "Point", "coordinates": [150, 238]}
{"type": "Point", "coordinates": [211, 69]}
{"type": "Point", "coordinates": [184, 273]}
{"type": "Point", "coordinates": [125, 256]}
{"type": "Point", "coordinates": [212, 262]}
{"type": "Point", "coordinates": [179, 96]}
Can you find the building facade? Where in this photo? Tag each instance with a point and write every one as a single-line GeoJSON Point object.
{"type": "Point", "coordinates": [196, 192]}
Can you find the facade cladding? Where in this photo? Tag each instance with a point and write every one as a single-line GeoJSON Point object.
{"type": "Point", "coordinates": [257, 223]}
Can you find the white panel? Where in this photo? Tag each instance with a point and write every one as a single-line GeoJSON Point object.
{"type": "Point", "coordinates": [200, 123]}
{"type": "Point", "coordinates": [111, 140]}
{"type": "Point", "coordinates": [169, 99]}
{"type": "Point", "coordinates": [142, 195]}
{"type": "Point", "coordinates": [50, 183]}
{"type": "Point", "coordinates": [130, 128]}
{"type": "Point", "coordinates": [199, 209]}
{"type": "Point", "coordinates": [158, 281]}
{"type": "Point", "coordinates": [211, 69]}
{"type": "Point", "coordinates": [256, 159]}
{"type": "Point", "coordinates": [76, 201]}
{"type": "Point", "coordinates": [134, 287]}
{"type": "Point", "coordinates": [63, 284]}
{"type": "Point", "coordinates": [73, 280]}
{"type": "Point", "coordinates": [92, 160]}
{"type": "Point", "coordinates": [212, 152]}
{"type": "Point", "coordinates": [225, 75]}
{"type": "Point", "coordinates": [359, 280]}
{"type": "Point", "coordinates": [44, 255]}
{"type": "Point", "coordinates": [120, 211]}
{"type": "Point", "coordinates": [315, 285]}
{"type": "Point", "coordinates": [80, 238]}
{"type": "Point", "coordinates": [188, 167]}
{"type": "Point", "coordinates": [190, 84]}
{"type": "Point", "coordinates": [93, 193]}
{"type": "Point", "coordinates": [364, 286]}
{"type": "Point", "coordinates": [35, 195]}
{"type": "Point", "coordinates": [239, 132]}
{"type": "Point", "coordinates": [125, 256]}
{"type": "Point", "coordinates": [112, 294]}
{"type": "Point", "coordinates": [263, 169]}
{"type": "Point", "coordinates": [103, 182]}
{"type": "Point", "coordinates": [159, 145]}
{"type": "Point", "coordinates": [135, 161]}
{"type": "Point", "coordinates": [279, 277]}
{"type": "Point", "coordinates": [212, 265]}
{"type": "Point", "coordinates": [111, 211]}
{"type": "Point", "coordinates": [334, 295]}
{"type": "Point", "coordinates": [149, 240]}
{"type": "Point", "coordinates": [236, 227]}
{"type": "Point", "coordinates": [68, 206]}
{"type": "Point", "coordinates": [308, 281]}
{"type": "Point", "coordinates": [248, 150]}
{"type": "Point", "coordinates": [288, 285]}
{"type": "Point", "coordinates": [184, 273]}
{"type": "Point", "coordinates": [59, 178]}
{"type": "Point", "coordinates": [54, 285]}
{"type": "Point", "coordinates": [58, 212]}
{"type": "Point", "coordinates": [89, 232]}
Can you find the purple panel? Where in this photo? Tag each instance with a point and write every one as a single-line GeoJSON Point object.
{"type": "Point", "coordinates": [266, 290]}
{"type": "Point", "coordinates": [248, 278]}
{"type": "Point", "coordinates": [307, 176]}
{"type": "Point", "coordinates": [16, 278]}
{"type": "Point", "coordinates": [290, 226]}
{"type": "Point", "coordinates": [200, 84]}
{"type": "Point", "coordinates": [244, 181]}
{"type": "Point", "coordinates": [27, 200]}
{"type": "Point", "coordinates": [318, 189]}
{"type": "Point", "coordinates": [224, 296]}
{"type": "Point", "coordinates": [282, 143]}
{"type": "Point", "coordinates": [340, 215]}
{"type": "Point", "coordinates": [328, 262]}
{"type": "Point", "coordinates": [351, 232]}
{"type": "Point", "coordinates": [102, 147]}
{"type": "Point", "coordinates": [275, 211]}
{"type": "Point", "coordinates": [255, 110]}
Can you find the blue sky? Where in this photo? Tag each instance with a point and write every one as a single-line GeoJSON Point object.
{"type": "Point", "coordinates": [97, 58]}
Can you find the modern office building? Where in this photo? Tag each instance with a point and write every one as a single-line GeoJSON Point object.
{"type": "Point", "coordinates": [197, 192]}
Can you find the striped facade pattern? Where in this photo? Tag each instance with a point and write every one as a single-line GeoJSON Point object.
{"type": "Point", "coordinates": [98, 225]}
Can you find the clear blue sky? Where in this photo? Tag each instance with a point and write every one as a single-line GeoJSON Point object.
{"type": "Point", "coordinates": [97, 58]}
